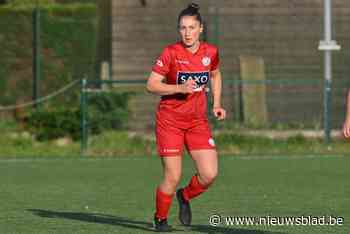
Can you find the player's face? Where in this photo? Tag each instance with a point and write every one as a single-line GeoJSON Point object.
{"type": "Point", "coordinates": [190, 30]}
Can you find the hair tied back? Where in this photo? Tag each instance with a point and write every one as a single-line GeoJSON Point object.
{"type": "Point", "coordinates": [194, 6]}
{"type": "Point", "coordinates": [191, 10]}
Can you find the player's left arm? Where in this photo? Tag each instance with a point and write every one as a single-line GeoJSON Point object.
{"type": "Point", "coordinates": [216, 86]}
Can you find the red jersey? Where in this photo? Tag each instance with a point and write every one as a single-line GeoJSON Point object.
{"type": "Point", "coordinates": [178, 65]}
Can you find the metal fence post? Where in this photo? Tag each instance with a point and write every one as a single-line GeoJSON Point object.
{"type": "Point", "coordinates": [327, 109]}
{"type": "Point", "coordinates": [328, 45]}
{"type": "Point", "coordinates": [83, 120]}
{"type": "Point", "coordinates": [328, 70]}
{"type": "Point", "coordinates": [36, 53]}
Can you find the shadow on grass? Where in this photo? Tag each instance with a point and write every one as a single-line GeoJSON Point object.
{"type": "Point", "coordinates": [138, 225]}
{"type": "Point", "coordinates": [95, 218]}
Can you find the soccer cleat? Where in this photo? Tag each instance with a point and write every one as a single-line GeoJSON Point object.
{"type": "Point", "coordinates": [185, 214]}
{"type": "Point", "coordinates": [161, 225]}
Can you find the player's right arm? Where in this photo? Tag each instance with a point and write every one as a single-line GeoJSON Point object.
{"type": "Point", "coordinates": [156, 82]}
{"type": "Point", "coordinates": [346, 126]}
{"type": "Point", "coordinates": [156, 85]}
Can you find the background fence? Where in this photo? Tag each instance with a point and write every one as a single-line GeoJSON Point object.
{"type": "Point", "coordinates": [285, 34]}
{"type": "Point", "coordinates": [66, 53]}
{"type": "Point", "coordinates": [65, 43]}
{"type": "Point", "coordinates": [110, 119]}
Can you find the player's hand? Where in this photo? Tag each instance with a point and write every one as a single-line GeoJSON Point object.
{"type": "Point", "coordinates": [346, 129]}
{"type": "Point", "coordinates": [219, 113]}
{"type": "Point", "coordinates": [187, 87]}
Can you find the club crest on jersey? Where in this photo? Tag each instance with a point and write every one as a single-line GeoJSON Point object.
{"type": "Point", "coordinates": [206, 61]}
{"type": "Point", "coordinates": [160, 63]}
{"type": "Point", "coordinates": [201, 78]}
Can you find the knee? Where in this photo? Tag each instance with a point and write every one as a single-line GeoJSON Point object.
{"type": "Point", "coordinates": [172, 180]}
{"type": "Point", "coordinates": [208, 177]}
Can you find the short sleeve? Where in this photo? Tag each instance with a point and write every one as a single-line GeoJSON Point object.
{"type": "Point", "coordinates": [162, 63]}
{"type": "Point", "coordinates": [215, 61]}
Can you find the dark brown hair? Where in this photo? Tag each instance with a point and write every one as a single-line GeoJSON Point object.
{"type": "Point", "coordinates": [191, 10]}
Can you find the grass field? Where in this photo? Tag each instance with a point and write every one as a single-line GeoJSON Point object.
{"type": "Point", "coordinates": [115, 195]}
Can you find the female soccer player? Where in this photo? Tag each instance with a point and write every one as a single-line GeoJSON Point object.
{"type": "Point", "coordinates": [180, 75]}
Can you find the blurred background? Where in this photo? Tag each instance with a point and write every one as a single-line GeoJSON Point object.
{"type": "Point", "coordinates": [75, 72]}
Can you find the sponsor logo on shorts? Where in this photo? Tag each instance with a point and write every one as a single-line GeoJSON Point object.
{"type": "Point", "coordinates": [171, 150]}
{"type": "Point", "coordinates": [201, 78]}
{"type": "Point", "coordinates": [211, 142]}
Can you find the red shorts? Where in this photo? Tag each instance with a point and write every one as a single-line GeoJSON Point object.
{"type": "Point", "coordinates": [172, 135]}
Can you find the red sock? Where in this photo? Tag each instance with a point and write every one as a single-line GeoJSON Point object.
{"type": "Point", "coordinates": [163, 203]}
{"type": "Point", "coordinates": [193, 189]}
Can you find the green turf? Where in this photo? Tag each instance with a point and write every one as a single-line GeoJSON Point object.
{"type": "Point", "coordinates": [115, 195]}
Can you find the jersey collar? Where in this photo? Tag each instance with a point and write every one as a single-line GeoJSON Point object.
{"type": "Point", "coordinates": [189, 52]}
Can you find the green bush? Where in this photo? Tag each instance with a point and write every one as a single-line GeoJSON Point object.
{"type": "Point", "coordinates": [106, 111]}
{"type": "Point", "coordinates": [52, 124]}
{"type": "Point", "coordinates": [297, 140]}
